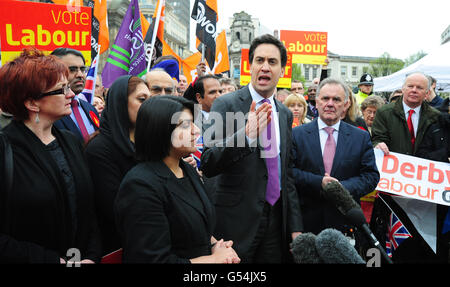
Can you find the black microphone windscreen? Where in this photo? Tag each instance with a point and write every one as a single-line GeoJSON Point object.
{"type": "Point", "coordinates": [304, 249]}
{"type": "Point", "coordinates": [340, 196]}
{"type": "Point", "coordinates": [356, 217]}
{"type": "Point", "coordinates": [334, 248]}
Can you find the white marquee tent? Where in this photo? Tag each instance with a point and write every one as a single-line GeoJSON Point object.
{"type": "Point", "coordinates": [435, 64]}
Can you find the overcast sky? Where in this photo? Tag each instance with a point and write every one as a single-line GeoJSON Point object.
{"type": "Point", "coordinates": [355, 27]}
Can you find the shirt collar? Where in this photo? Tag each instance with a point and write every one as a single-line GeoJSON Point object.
{"type": "Point", "coordinates": [324, 125]}
{"type": "Point", "coordinates": [257, 98]}
{"type": "Point", "coordinates": [406, 108]}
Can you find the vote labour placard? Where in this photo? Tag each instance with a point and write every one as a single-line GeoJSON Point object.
{"type": "Point", "coordinates": [306, 47]}
{"type": "Point", "coordinates": [44, 26]}
{"type": "Point", "coordinates": [283, 82]}
{"type": "Point", "coordinates": [414, 177]}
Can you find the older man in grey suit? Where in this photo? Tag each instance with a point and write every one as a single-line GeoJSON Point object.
{"type": "Point", "coordinates": [255, 199]}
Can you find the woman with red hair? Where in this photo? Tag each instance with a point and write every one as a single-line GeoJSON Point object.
{"type": "Point", "coordinates": [48, 208]}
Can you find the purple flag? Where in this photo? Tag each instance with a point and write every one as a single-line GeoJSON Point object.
{"type": "Point", "coordinates": [127, 56]}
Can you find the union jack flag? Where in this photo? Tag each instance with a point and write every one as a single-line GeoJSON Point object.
{"type": "Point", "coordinates": [89, 88]}
{"type": "Point", "coordinates": [397, 233]}
{"type": "Point", "coordinates": [198, 153]}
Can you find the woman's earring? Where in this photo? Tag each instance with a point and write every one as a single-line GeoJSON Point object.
{"type": "Point", "coordinates": [36, 120]}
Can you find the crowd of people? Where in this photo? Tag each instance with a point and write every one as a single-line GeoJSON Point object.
{"type": "Point", "coordinates": [166, 171]}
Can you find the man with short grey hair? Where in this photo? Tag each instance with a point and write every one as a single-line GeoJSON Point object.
{"type": "Point", "coordinates": [400, 127]}
{"type": "Point", "coordinates": [326, 150]}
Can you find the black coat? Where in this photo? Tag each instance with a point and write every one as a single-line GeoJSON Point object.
{"type": "Point", "coordinates": [36, 223]}
{"type": "Point", "coordinates": [161, 221]}
{"type": "Point", "coordinates": [110, 155]}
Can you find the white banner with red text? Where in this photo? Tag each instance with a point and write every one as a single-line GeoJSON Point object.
{"type": "Point", "coordinates": [414, 177]}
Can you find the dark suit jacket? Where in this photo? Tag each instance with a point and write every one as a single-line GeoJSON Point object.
{"type": "Point", "coordinates": [66, 123]}
{"type": "Point", "coordinates": [242, 174]}
{"type": "Point", "coordinates": [353, 165]}
{"type": "Point", "coordinates": [159, 220]}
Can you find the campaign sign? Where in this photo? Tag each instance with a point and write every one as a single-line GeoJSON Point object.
{"type": "Point", "coordinates": [414, 177]}
{"type": "Point", "coordinates": [44, 26]}
{"type": "Point", "coordinates": [307, 47]}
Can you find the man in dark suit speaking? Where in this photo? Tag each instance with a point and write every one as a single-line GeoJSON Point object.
{"type": "Point", "coordinates": [248, 146]}
{"type": "Point", "coordinates": [328, 149]}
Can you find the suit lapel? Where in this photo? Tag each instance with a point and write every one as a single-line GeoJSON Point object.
{"type": "Point", "coordinates": [246, 100]}
{"type": "Point", "coordinates": [313, 134]}
{"type": "Point", "coordinates": [87, 110]}
{"type": "Point", "coordinates": [283, 126]}
{"type": "Point", "coordinates": [174, 188]}
{"type": "Point", "coordinates": [342, 143]}
{"type": "Point", "coordinates": [71, 126]}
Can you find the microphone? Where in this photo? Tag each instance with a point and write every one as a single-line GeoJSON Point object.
{"type": "Point", "coordinates": [330, 247]}
{"type": "Point", "coordinates": [304, 249]}
{"type": "Point", "coordinates": [341, 197]}
{"type": "Point", "coordinates": [334, 248]}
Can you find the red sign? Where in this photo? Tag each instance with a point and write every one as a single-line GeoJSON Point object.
{"type": "Point", "coordinates": [44, 26]}
{"type": "Point", "coordinates": [306, 47]}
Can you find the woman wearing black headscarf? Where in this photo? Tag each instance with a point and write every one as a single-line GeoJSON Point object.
{"type": "Point", "coordinates": [110, 154]}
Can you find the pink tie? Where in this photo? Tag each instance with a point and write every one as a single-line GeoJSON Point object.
{"type": "Point", "coordinates": [329, 150]}
{"type": "Point", "coordinates": [79, 119]}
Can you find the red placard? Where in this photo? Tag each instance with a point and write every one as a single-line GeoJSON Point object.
{"type": "Point", "coordinates": [44, 26]}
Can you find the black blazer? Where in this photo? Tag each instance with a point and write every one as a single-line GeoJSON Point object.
{"type": "Point", "coordinates": [158, 220]}
{"type": "Point", "coordinates": [66, 123]}
{"type": "Point", "coordinates": [35, 218]}
{"type": "Point", "coordinates": [242, 175]}
{"type": "Point", "coordinates": [353, 165]}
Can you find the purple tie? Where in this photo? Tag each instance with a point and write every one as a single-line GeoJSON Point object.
{"type": "Point", "coordinates": [329, 150]}
{"type": "Point", "coordinates": [271, 156]}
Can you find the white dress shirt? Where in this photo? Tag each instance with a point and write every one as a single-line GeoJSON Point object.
{"type": "Point", "coordinates": [414, 118]}
{"type": "Point", "coordinates": [323, 135]}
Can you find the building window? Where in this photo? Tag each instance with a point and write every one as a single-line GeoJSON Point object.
{"type": "Point", "coordinates": [354, 71]}
{"type": "Point", "coordinates": [314, 72]}
{"type": "Point", "coordinates": [343, 71]}
{"type": "Point", "coordinates": [306, 73]}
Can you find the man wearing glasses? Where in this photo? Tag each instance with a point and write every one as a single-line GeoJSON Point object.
{"type": "Point", "coordinates": [84, 118]}
{"type": "Point", "coordinates": [159, 82]}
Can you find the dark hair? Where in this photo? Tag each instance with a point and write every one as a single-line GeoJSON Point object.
{"type": "Point", "coordinates": [199, 87]}
{"type": "Point", "coordinates": [61, 52]}
{"type": "Point", "coordinates": [268, 39]}
{"type": "Point", "coordinates": [27, 77]}
{"type": "Point", "coordinates": [133, 82]}
{"type": "Point", "coordinates": [154, 126]}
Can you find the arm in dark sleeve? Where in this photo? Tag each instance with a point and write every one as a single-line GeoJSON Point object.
{"type": "Point", "coordinates": [14, 251]}
{"type": "Point", "coordinates": [223, 146]}
{"type": "Point", "coordinates": [380, 131]}
{"type": "Point", "coordinates": [295, 221]}
{"type": "Point", "coordinates": [367, 179]}
{"type": "Point", "coordinates": [143, 224]}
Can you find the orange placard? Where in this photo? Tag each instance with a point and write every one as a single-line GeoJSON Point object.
{"type": "Point", "coordinates": [307, 47]}
{"type": "Point", "coordinates": [44, 26]}
{"type": "Point", "coordinates": [284, 82]}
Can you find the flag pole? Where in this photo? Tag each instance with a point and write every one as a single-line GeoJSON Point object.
{"type": "Point", "coordinates": [155, 32]}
